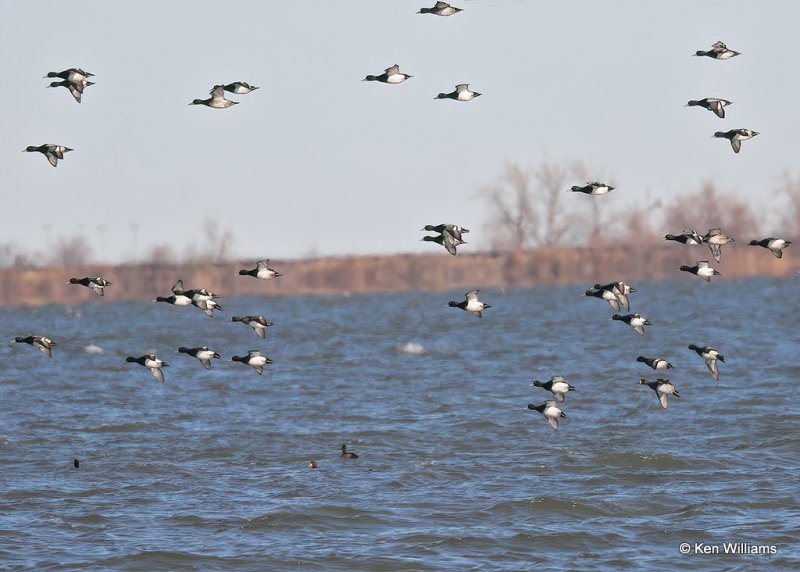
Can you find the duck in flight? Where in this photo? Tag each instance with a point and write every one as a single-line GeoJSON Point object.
{"type": "Point", "coordinates": [471, 304]}
{"type": "Point", "coordinates": [713, 104]}
{"type": "Point", "coordinates": [97, 284]}
{"type": "Point", "coordinates": [718, 51]}
{"type": "Point", "coordinates": [52, 152]}
{"type": "Point", "coordinates": [41, 343]}
{"type": "Point", "coordinates": [217, 99]}
{"type": "Point", "coordinates": [440, 9]}
{"type": "Point", "coordinates": [391, 75]}
{"type": "Point", "coordinates": [151, 362]}
{"type": "Point", "coordinates": [461, 93]}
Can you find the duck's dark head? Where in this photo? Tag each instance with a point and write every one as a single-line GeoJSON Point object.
{"type": "Point", "coordinates": [720, 134]}
{"type": "Point", "coordinates": [685, 268]}
{"type": "Point", "coordinates": [429, 227]}
{"type": "Point", "coordinates": [452, 304]}
{"type": "Point", "coordinates": [430, 238]}
{"type": "Point", "coordinates": [692, 103]}
{"type": "Point", "coordinates": [441, 96]}
{"type": "Point", "coordinates": [243, 272]}
{"type": "Point", "coordinates": [183, 350]}
{"type": "Point", "coordinates": [641, 359]}
{"type": "Point", "coordinates": [19, 339]}
{"type": "Point", "coordinates": [58, 83]}
{"type": "Point", "coordinates": [590, 292]}
{"type": "Point", "coordinates": [198, 102]}
{"type": "Point", "coordinates": [369, 78]}
{"type": "Point", "coordinates": [537, 384]}
{"type": "Point", "coordinates": [131, 359]}
{"type": "Point", "coordinates": [616, 317]}
{"type": "Point", "coordinates": [74, 280]}
{"type": "Point", "coordinates": [163, 298]}
{"type": "Point", "coordinates": [643, 381]}
{"type": "Point", "coordinates": [239, 358]}
{"type": "Point", "coordinates": [694, 347]}
{"type": "Point", "coordinates": [30, 148]}
{"type": "Point", "coordinates": [754, 243]}
{"type": "Point", "coordinates": [52, 74]}
{"type": "Point", "coordinates": [700, 53]}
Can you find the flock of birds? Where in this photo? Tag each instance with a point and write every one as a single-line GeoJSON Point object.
{"type": "Point", "coordinates": [450, 236]}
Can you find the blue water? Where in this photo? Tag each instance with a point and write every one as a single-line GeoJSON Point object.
{"type": "Point", "coordinates": [209, 470]}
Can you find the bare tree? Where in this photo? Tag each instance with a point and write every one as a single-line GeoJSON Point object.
{"type": "Point", "coordinates": [791, 216]}
{"type": "Point", "coordinates": [706, 209]}
{"type": "Point", "coordinates": [73, 251]}
{"type": "Point", "coordinates": [527, 208]}
{"type": "Point", "coordinates": [218, 241]}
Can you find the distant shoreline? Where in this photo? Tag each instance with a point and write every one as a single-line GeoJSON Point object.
{"type": "Point", "coordinates": [390, 273]}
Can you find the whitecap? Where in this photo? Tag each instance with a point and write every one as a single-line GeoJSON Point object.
{"type": "Point", "coordinates": [412, 348]}
{"type": "Point", "coordinates": [92, 349]}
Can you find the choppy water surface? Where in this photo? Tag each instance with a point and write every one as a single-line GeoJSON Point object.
{"type": "Point", "coordinates": [209, 470]}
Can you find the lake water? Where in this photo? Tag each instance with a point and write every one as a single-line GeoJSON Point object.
{"type": "Point", "coordinates": [209, 470]}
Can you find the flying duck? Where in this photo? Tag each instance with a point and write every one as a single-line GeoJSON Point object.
{"type": "Point", "coordinates": [713, 104]}
{"type": "Point", "coordinates": [261, 271]}
{"type": "Point", "coordinates": [461, 93]}
{"type": "Point", "coordinates": [217, 99]}
{"type": "Point", "coordinates": [635, 321]}
{"type": "Point", "coordinates": [348, 454]}
{"type": "Point", "coordinates": [52, 152]}
{"type": "Point", "coordinates": [773, 244]}
{"type": "Point", "coordinates": [254, 359]}
{"type": "Point", "coordinates": [701, 269]}
{"type": "Point", "coordinates": [203, 354]}
{"type": "Point", "coordinates": [97, 283]}
{"type": "Point", "coordinates": [715, 239]}
{"type": "Point", "coordinates": [390, 75]}
{"type": "Point", "coordinates": [239, 87]}
{"type": "Point", "coordinates": [151, 362]}
{"type": "Point", "coordinates": [557, 385]}
{"type": "Point", "coordinates": [662, 387]}
{"type": "Point", "coordinates": [736, 136]}
{"type": "Point", "coordinates": [550, 411]}
{"type": "Point", "coordinates": [471, 303]}
{"type": "Point", "coordinates": [258, 323]}
{"type": "Point", "coordinates": [41, 343]}
{"type": "Point", "coordinates": [595, 188]}
{"type": "Point", "coordinates": [655, 362]}
{"type": "Point", "coordinates": [446, 239]}
{"type": "Point", "coordinates": [75, 88]}
{"type": "Point", "coordinates": [710, 355]}
{"type": "Point", "coordinates": [620, 289]}
{"type": "Point", "coordinates": [718, 51]}
{"type": "Point", "coordinates": [454, 230]}
{"type": "Point", "coordinates": [606, 295]}
{"type": "Point", "coordinates": [690, 237]}
{"type": "Point", "coordinates": [440, 9]}
{"type": "Point", "coordinates": [72, 74]}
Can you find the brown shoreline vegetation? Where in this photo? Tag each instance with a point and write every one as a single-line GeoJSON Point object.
{"type": "Point", "coordinates": [437, 271]}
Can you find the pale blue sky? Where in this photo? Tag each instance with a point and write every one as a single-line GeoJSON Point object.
{"type": "Point", "coordinates": [319, 161]}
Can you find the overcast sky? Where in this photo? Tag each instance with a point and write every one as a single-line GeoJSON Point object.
{"type": "Point", "coordinates": [317, 161]}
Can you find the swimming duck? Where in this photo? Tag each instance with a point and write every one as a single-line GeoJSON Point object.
{"type": "Point", "coordinates": [635, 321]}
{"type": "Point", "coordinates": [312, 464]}
{"type": "Point", "coordinates": [97, 283]}
{"type": "Point", "coordinates": [75, 88]}
{"type": "Point", "coordinates": [718, 51]}
{"type": "Point", "coordinates": [390, 75]}
{"type": "Point", "coordinates": [702, 269]}
{"type": "Point", "coordinates": [461, 93]}
{"type": "Point", "coordinates": [550, 411]}
{"type": "Point", "coordinates": [595, 188]}
{"type": "Point", "coordinates": [655, 362]}
{"type": "Point", "coordinates": [258, 323]}
{"type": "Point", "coordinates": [52, 152]}
{"type": "Point", "coordinates": [715, 239]}
{"type": "Point", "coordinates": [710, 355]}
{"type": "Point", "coordinates": [773, 244]}
{"type": "Point", "coordinates": [713, 104]}
{"type": "Point", "coordinates": [348, 454]}
{"type": "Point", "coordinates": [151, 362]}
{"type": "Point", "coordinates": [557, 385]}
{"type": "Point", "coordinates": [690, 237]}
{"type": "Point", "coordinates": [471, 304]}
{"type": "Point", "coordinates": [262, 271]}
{"type": "Point", "coordinates": [239, 87]}
{"type": "Point", "coordinates": [72, 74]}
{"type": "Point", "coordinates": [41, 343]}
{"type": "Point", "coordinates": [254, 359]}
{"type": "Point", "coordinates": [662, 387]}
{"type": "Point", "coordinates": [606, 295]}
{"type": "Point", "coordinates": [203, 354]}
{"type": "Point", "coordinates": [217, 99]}
{"type": "Point", "coordinates": [440, 9]}
{"type": "Point", "coordinates": [736, 136]}
{"type": "Point", "coordinates": [447, 240]}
